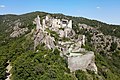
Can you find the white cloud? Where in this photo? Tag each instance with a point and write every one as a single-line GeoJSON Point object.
{"type": "Point", "coordinates": [2, 6]}
{"type": "Point", "coordinates": [98, 7]}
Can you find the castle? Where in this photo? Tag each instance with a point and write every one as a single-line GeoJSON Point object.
{"type": "Point", "coordinates": [54, 25]}
{"type": "Point", "coordinates": [77, 57]}
{"type": "Point", "coordinates": [62, 27]}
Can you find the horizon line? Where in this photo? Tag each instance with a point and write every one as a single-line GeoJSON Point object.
{"type": "Point", "coordinates": [63, 14]}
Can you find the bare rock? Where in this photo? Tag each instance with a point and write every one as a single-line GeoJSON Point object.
{"type": "Point", "coordinates": [82, 62]}
{"type": "Point", "coordinates": [18, 31]}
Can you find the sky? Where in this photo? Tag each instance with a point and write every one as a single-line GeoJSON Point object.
{"type": "Point", "coordinates": [103, 10]}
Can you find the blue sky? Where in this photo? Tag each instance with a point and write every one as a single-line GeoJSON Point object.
{"type": "Point", "coordinates": [102, 10]}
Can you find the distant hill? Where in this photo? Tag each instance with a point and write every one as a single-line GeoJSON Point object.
{"type": "Point", "coordinates": [29, 17]}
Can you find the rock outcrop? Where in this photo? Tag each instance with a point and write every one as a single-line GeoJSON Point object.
{"type": "Point", "coordinates": [82, 62]}
{"type": "Point", "coordinates": [77, 57]}
{"type": "Point", "coordinates": [101, 42]}
{"type": "Point", "coordinates": [42, 37]}
{"type": "Point", "coordinates": [18, 31]}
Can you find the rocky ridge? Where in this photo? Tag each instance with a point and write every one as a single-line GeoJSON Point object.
{"type": "Point", "coordinates": [77, 57]}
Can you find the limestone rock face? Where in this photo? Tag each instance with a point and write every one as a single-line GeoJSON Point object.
{"type": "Point", "coordinates": [38, 38]}
{"type": "Point", "coordinates": [70, 24]}
{"type": "Point", "coordinates": [41, 38]}
{"type": "Point", "coordinates": [38, 24]}
{"type": "Point", "coordinates": [61, 33]}
{"type": "Point", "coordinates": [18, 31]}
{"type": "Point", "coordinates": [49, 41]}
{"type": "Point", "coordinates": [82, 62]}
{"type": "Point", "coordinates": [67, 32]}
